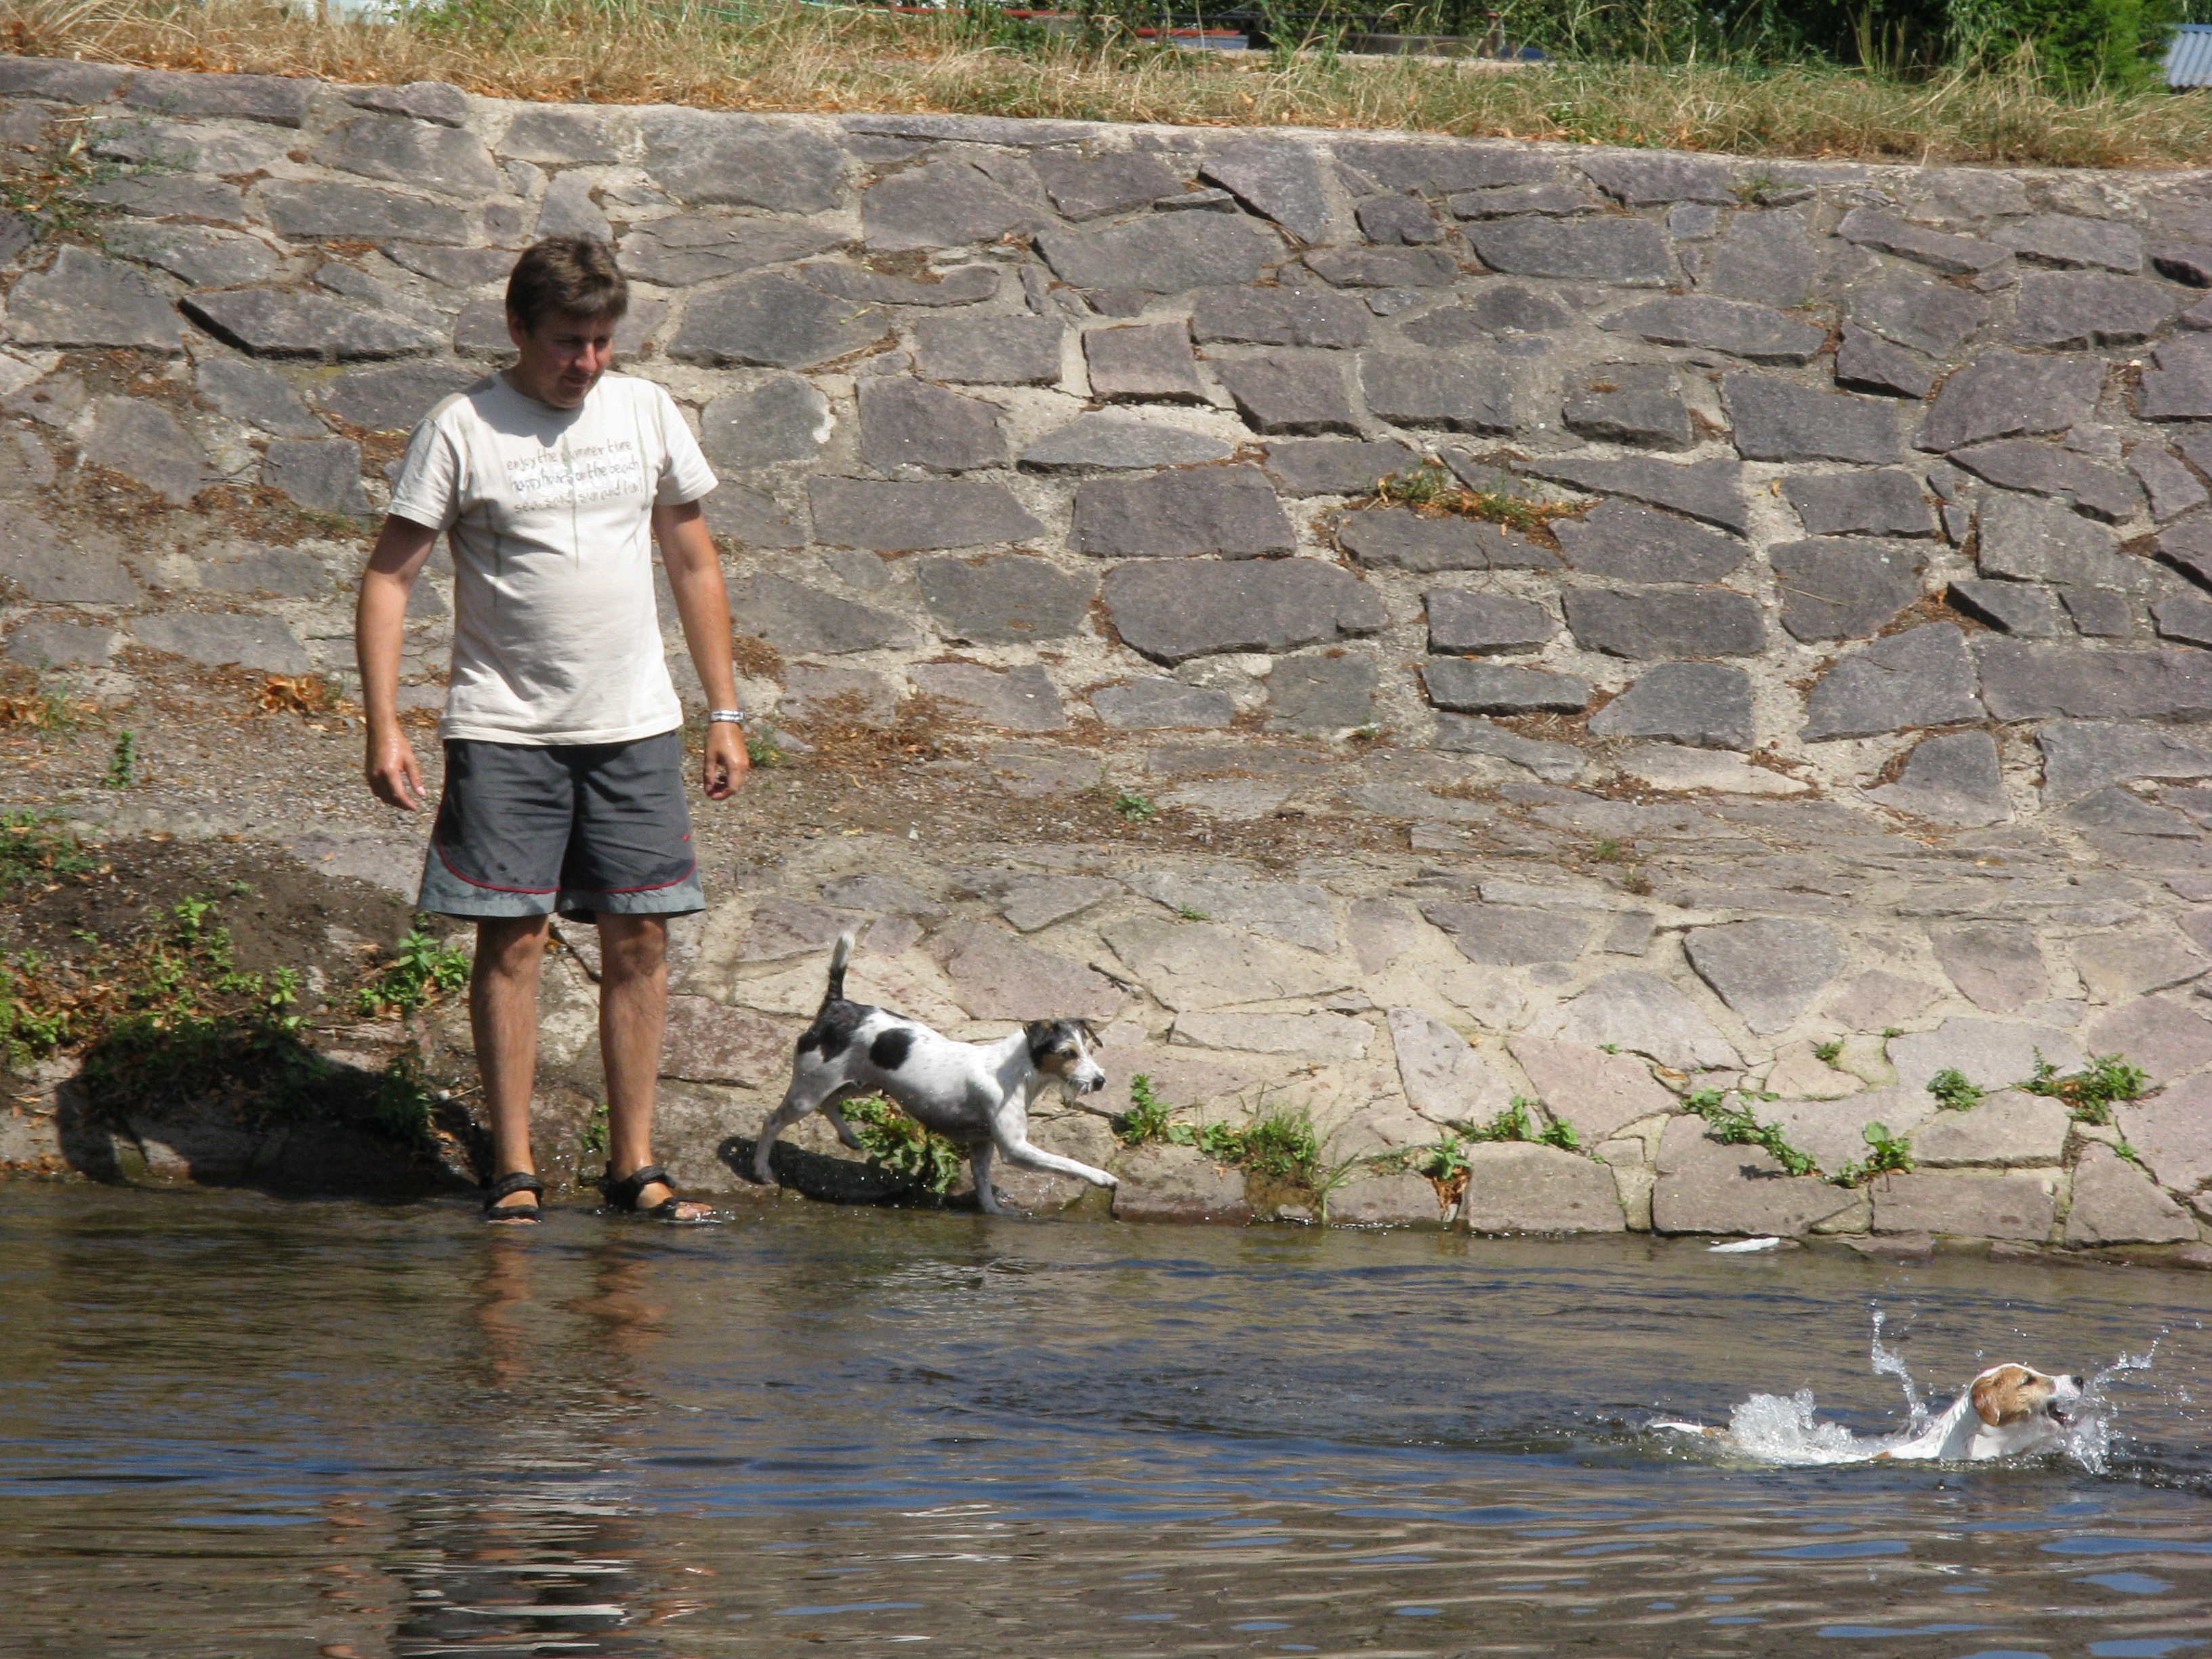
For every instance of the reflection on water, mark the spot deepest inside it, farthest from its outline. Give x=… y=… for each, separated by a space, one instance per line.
x=234 y=1427
x=534 y=1548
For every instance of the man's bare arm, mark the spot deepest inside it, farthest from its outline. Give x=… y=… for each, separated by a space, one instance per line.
x=379 y=632
x=702 y=603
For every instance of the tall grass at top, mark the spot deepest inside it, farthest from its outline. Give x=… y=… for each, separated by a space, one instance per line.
x=753 y=55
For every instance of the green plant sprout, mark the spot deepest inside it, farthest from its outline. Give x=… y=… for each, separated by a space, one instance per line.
x=1137 y=809
x=1430 y=488
x=1886 y=1154
x=1280 y=1144
x=1148 y=1117
x=36 y=849
x=1954 y=1092
x=2089 y=1093
x=898 y=1144
x=1734 y=1125
x=421 y=971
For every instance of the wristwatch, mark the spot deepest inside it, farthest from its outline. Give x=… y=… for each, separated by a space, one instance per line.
x=726 y=716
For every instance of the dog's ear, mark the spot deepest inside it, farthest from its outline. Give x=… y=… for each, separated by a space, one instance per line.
x=1996 y=1396
x=1091 y=1033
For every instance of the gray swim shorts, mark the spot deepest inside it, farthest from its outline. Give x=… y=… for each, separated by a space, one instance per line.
x=528 y=829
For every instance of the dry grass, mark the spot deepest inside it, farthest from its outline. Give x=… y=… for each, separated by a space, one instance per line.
x=846 y=736
x=757 y=55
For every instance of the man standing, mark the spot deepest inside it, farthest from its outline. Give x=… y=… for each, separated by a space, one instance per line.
x=564 y=749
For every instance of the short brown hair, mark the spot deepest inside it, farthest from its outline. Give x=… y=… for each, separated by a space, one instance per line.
x=573 y=276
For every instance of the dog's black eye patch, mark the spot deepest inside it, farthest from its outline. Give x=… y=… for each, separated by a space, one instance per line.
x=889 y=1050
x=833 y=1027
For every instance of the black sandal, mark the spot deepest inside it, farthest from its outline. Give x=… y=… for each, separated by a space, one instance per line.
x=507 y=1185
x=622 y=1194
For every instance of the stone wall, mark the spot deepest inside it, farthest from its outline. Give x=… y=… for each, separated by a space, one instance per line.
x=1886 y=530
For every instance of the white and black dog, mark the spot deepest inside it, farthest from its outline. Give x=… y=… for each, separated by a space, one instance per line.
x=975 y=1094
x=2008 y=1410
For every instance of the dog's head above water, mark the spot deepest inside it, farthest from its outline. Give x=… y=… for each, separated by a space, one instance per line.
x=1061 y=1048
x=2004 y=1395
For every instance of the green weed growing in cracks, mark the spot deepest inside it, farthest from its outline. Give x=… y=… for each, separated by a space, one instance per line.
x=36 y=849
x=1519 y=1122
x=190 y=1024
x=1137 y=809
x=406 y=1100
x=1148 y=1118
x=900 y=1145
x=1445 y=1164
x=168 y=1018
x=421 y=971
x=1953 y=1091
x=46 y=712
x=593 y=1143
x=1886 y=1154
x=51 y=194
x=1280 y=1144
x=2089 y=1093
x=1429 y=487
x=1734 y=1125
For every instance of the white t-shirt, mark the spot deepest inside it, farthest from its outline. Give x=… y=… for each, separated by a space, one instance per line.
x=550 y=514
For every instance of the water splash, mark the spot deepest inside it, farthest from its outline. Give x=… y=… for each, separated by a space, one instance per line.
x=1784 y=1430
x=1887 y=1362
x=1781 y=1429
x=2090 y=1438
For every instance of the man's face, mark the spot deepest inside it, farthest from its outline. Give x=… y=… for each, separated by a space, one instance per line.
x=562 y=358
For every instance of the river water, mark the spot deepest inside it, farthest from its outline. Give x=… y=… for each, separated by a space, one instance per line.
x=235 y=1426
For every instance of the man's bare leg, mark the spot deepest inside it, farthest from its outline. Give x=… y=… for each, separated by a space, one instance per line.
x=503 y=1017
x=633 y=1011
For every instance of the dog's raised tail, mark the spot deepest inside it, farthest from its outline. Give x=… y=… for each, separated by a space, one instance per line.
x=841 y=954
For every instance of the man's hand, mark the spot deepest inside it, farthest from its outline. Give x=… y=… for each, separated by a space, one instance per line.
x=379 y=629
x=694 y=578
x=394 y=775
x=726 y=763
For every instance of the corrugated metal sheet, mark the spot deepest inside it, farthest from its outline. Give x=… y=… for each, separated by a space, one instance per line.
x=2189 y=59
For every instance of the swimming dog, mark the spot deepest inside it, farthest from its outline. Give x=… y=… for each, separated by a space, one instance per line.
x=977 y=1094
x=2005 y=1412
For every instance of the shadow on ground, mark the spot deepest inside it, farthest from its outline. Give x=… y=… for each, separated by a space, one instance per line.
x=831 y=1180
x=330 y=1143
